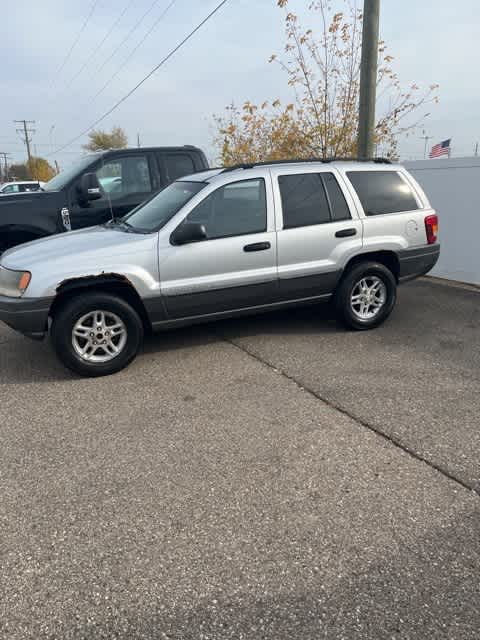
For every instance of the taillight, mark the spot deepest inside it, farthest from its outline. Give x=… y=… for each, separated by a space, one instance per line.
x=431 y=227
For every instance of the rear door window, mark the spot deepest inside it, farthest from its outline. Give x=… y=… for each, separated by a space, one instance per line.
x=311 y=198
x=304 y=201
x=382 y=192
x=178 y=165
x=32 y=186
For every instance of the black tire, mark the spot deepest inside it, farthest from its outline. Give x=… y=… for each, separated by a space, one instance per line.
x=72 y=311
x=346 y=313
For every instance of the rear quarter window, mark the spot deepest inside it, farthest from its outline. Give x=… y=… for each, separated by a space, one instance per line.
x=382 y=192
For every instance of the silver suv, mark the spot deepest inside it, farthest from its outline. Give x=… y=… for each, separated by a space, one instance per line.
x=220 y=243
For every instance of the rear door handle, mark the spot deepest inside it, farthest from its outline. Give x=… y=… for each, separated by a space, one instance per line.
x=344 y=233
x=257 y=246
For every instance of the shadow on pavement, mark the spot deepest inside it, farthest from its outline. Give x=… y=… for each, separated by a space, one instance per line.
x=23 y=361
x=426 y=316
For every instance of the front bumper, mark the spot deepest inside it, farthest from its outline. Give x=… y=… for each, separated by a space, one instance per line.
x=26 y=315
x=417 y=262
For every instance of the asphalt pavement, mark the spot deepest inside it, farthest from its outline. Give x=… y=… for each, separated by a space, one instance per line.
x=265 y=478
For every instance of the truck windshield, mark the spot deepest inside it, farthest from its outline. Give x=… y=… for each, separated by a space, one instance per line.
x=156 y=212
x=58 y=182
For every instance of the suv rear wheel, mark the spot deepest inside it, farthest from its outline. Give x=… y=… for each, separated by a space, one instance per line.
x=366 y=296
x=96 y=334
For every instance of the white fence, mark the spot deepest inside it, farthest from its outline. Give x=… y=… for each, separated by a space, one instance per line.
x=453 y=188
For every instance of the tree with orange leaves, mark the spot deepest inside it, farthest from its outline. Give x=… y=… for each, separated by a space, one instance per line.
x=324 y=74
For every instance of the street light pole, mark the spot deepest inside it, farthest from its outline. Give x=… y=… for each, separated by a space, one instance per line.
x=50 y=135
x=368 y=78
x=426 y=139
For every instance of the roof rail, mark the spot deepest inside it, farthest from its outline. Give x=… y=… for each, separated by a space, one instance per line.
x=250 y=165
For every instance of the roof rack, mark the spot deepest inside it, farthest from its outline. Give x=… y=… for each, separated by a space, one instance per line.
x=250 y=165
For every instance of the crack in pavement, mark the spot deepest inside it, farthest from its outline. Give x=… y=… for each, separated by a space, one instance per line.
x=394 y=441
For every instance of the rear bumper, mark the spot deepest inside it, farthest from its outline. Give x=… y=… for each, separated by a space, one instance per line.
x=26 y=315
x=417 y=262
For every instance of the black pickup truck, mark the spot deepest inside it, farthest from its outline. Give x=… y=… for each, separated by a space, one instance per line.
x=97 y=188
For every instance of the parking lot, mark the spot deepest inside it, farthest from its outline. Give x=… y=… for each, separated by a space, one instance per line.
x=268 y=477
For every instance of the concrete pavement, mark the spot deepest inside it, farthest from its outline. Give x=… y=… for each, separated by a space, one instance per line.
x=209 y=492
x=416 y=379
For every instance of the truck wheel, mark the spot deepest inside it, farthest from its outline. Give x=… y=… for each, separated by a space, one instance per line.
x=366 y=296
x=96 y=334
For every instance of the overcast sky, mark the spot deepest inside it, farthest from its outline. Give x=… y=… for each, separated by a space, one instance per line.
x=433 y=41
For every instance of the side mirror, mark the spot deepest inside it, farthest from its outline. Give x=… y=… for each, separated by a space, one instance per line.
x=189 y=232
x=89 y=187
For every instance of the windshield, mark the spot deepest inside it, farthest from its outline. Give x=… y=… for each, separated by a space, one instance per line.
x=63 y=178
x=155 y=213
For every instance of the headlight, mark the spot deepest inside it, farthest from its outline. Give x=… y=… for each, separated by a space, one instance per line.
x=13 y=283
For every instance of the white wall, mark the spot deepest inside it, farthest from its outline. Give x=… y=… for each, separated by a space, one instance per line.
x=453 y=188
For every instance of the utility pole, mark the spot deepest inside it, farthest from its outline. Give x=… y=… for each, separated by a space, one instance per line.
x=476 y=149
x=5 y=165
x=26 y=131
x=50 y=135
x=138 y=140
x=368 y=78
x=426 y=138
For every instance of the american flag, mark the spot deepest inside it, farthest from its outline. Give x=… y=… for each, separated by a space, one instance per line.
x=440 y=149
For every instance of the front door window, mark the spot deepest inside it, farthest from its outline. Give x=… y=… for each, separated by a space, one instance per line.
x=236 y=209
x=125 y=183
x=126 y=176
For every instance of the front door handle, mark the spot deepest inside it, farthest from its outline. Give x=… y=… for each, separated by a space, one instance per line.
x=257 y=246
x=344 y=233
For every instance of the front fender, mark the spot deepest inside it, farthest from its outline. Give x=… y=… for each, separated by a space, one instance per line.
x=49 y=284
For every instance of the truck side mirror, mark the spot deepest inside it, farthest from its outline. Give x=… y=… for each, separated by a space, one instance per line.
x=89 y=187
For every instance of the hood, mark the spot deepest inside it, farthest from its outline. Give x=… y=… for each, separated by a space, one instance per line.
x=24 y=197
x=22 y=194
x=95 y=246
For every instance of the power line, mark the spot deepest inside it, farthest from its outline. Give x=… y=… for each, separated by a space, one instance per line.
x=75 y=42
x=122 y=65
x=127 y=37
x=22 y=144
x=137 y=86
x=96 y=49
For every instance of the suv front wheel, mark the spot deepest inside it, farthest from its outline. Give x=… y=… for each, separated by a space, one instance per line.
x=96 y=334
x=366 y=296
